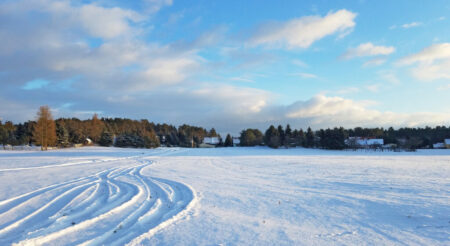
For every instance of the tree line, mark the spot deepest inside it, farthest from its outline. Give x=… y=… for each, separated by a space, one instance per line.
x=121 y=132
x=335 y=138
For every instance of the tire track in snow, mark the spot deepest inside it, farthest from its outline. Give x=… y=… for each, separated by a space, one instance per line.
x=112 y=207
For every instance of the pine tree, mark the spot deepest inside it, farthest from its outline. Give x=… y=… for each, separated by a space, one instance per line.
x=44 y=133
x=272 y=137
x=301 y=138
x=9 y=133
x=62 y=135
x=106 y=139
x=228 y=141
x=287 y=136
x=309 y=138
x=282 y=135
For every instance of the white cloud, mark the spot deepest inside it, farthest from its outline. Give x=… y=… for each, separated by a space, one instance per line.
x=375 y=62
x=307 y=75
x=235 y=100
x=95 y=20
x=169 y=70
x=153 y=6
x=428 y=55
x=430 y=72
x=368 y=49
x=432 y=63
x=406 y=25
x=103 y=22
x=302 y=32
x=323 y=106
x=412 y=24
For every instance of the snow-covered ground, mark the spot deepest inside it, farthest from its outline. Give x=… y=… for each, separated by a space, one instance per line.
x=226 y=196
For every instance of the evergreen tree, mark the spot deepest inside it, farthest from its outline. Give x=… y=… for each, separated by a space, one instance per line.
x=272 y=137
x=9 y=133
x=24 y=133
x=288 y=136
x=106 y=139
x=300 y=138
x=309 y=138
x=62 y=135
x=282 y=135
x=228 y=141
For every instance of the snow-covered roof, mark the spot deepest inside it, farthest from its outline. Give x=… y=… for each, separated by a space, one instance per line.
x=438 y=145
x=367 y=141
x=211 y=140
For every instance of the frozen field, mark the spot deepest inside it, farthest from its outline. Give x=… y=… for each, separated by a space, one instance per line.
x=228 y=196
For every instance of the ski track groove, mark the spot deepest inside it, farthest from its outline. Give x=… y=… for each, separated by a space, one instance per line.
x=113 y=207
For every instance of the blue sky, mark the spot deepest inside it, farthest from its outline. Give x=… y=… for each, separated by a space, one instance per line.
x=228 y=64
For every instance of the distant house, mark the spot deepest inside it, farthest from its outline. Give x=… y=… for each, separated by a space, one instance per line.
x=375 y=141
x=211 y=140
x=88 y=141
x=439 y=146
x=447 y=143
x=236 y=141
x=364 y=142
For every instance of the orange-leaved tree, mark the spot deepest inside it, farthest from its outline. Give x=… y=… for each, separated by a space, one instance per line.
x=44 y=132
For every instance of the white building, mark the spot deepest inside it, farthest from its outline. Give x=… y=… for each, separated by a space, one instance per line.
x=439 y=146
x=360 y=141
x=375 y=141
x=447 y=143
x=211 y=140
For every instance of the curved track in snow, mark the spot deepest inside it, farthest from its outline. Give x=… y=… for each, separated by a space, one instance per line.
x=112 y=207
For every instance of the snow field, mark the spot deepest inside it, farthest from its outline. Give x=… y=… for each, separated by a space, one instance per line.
x=227 y=196
x=111 y=207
